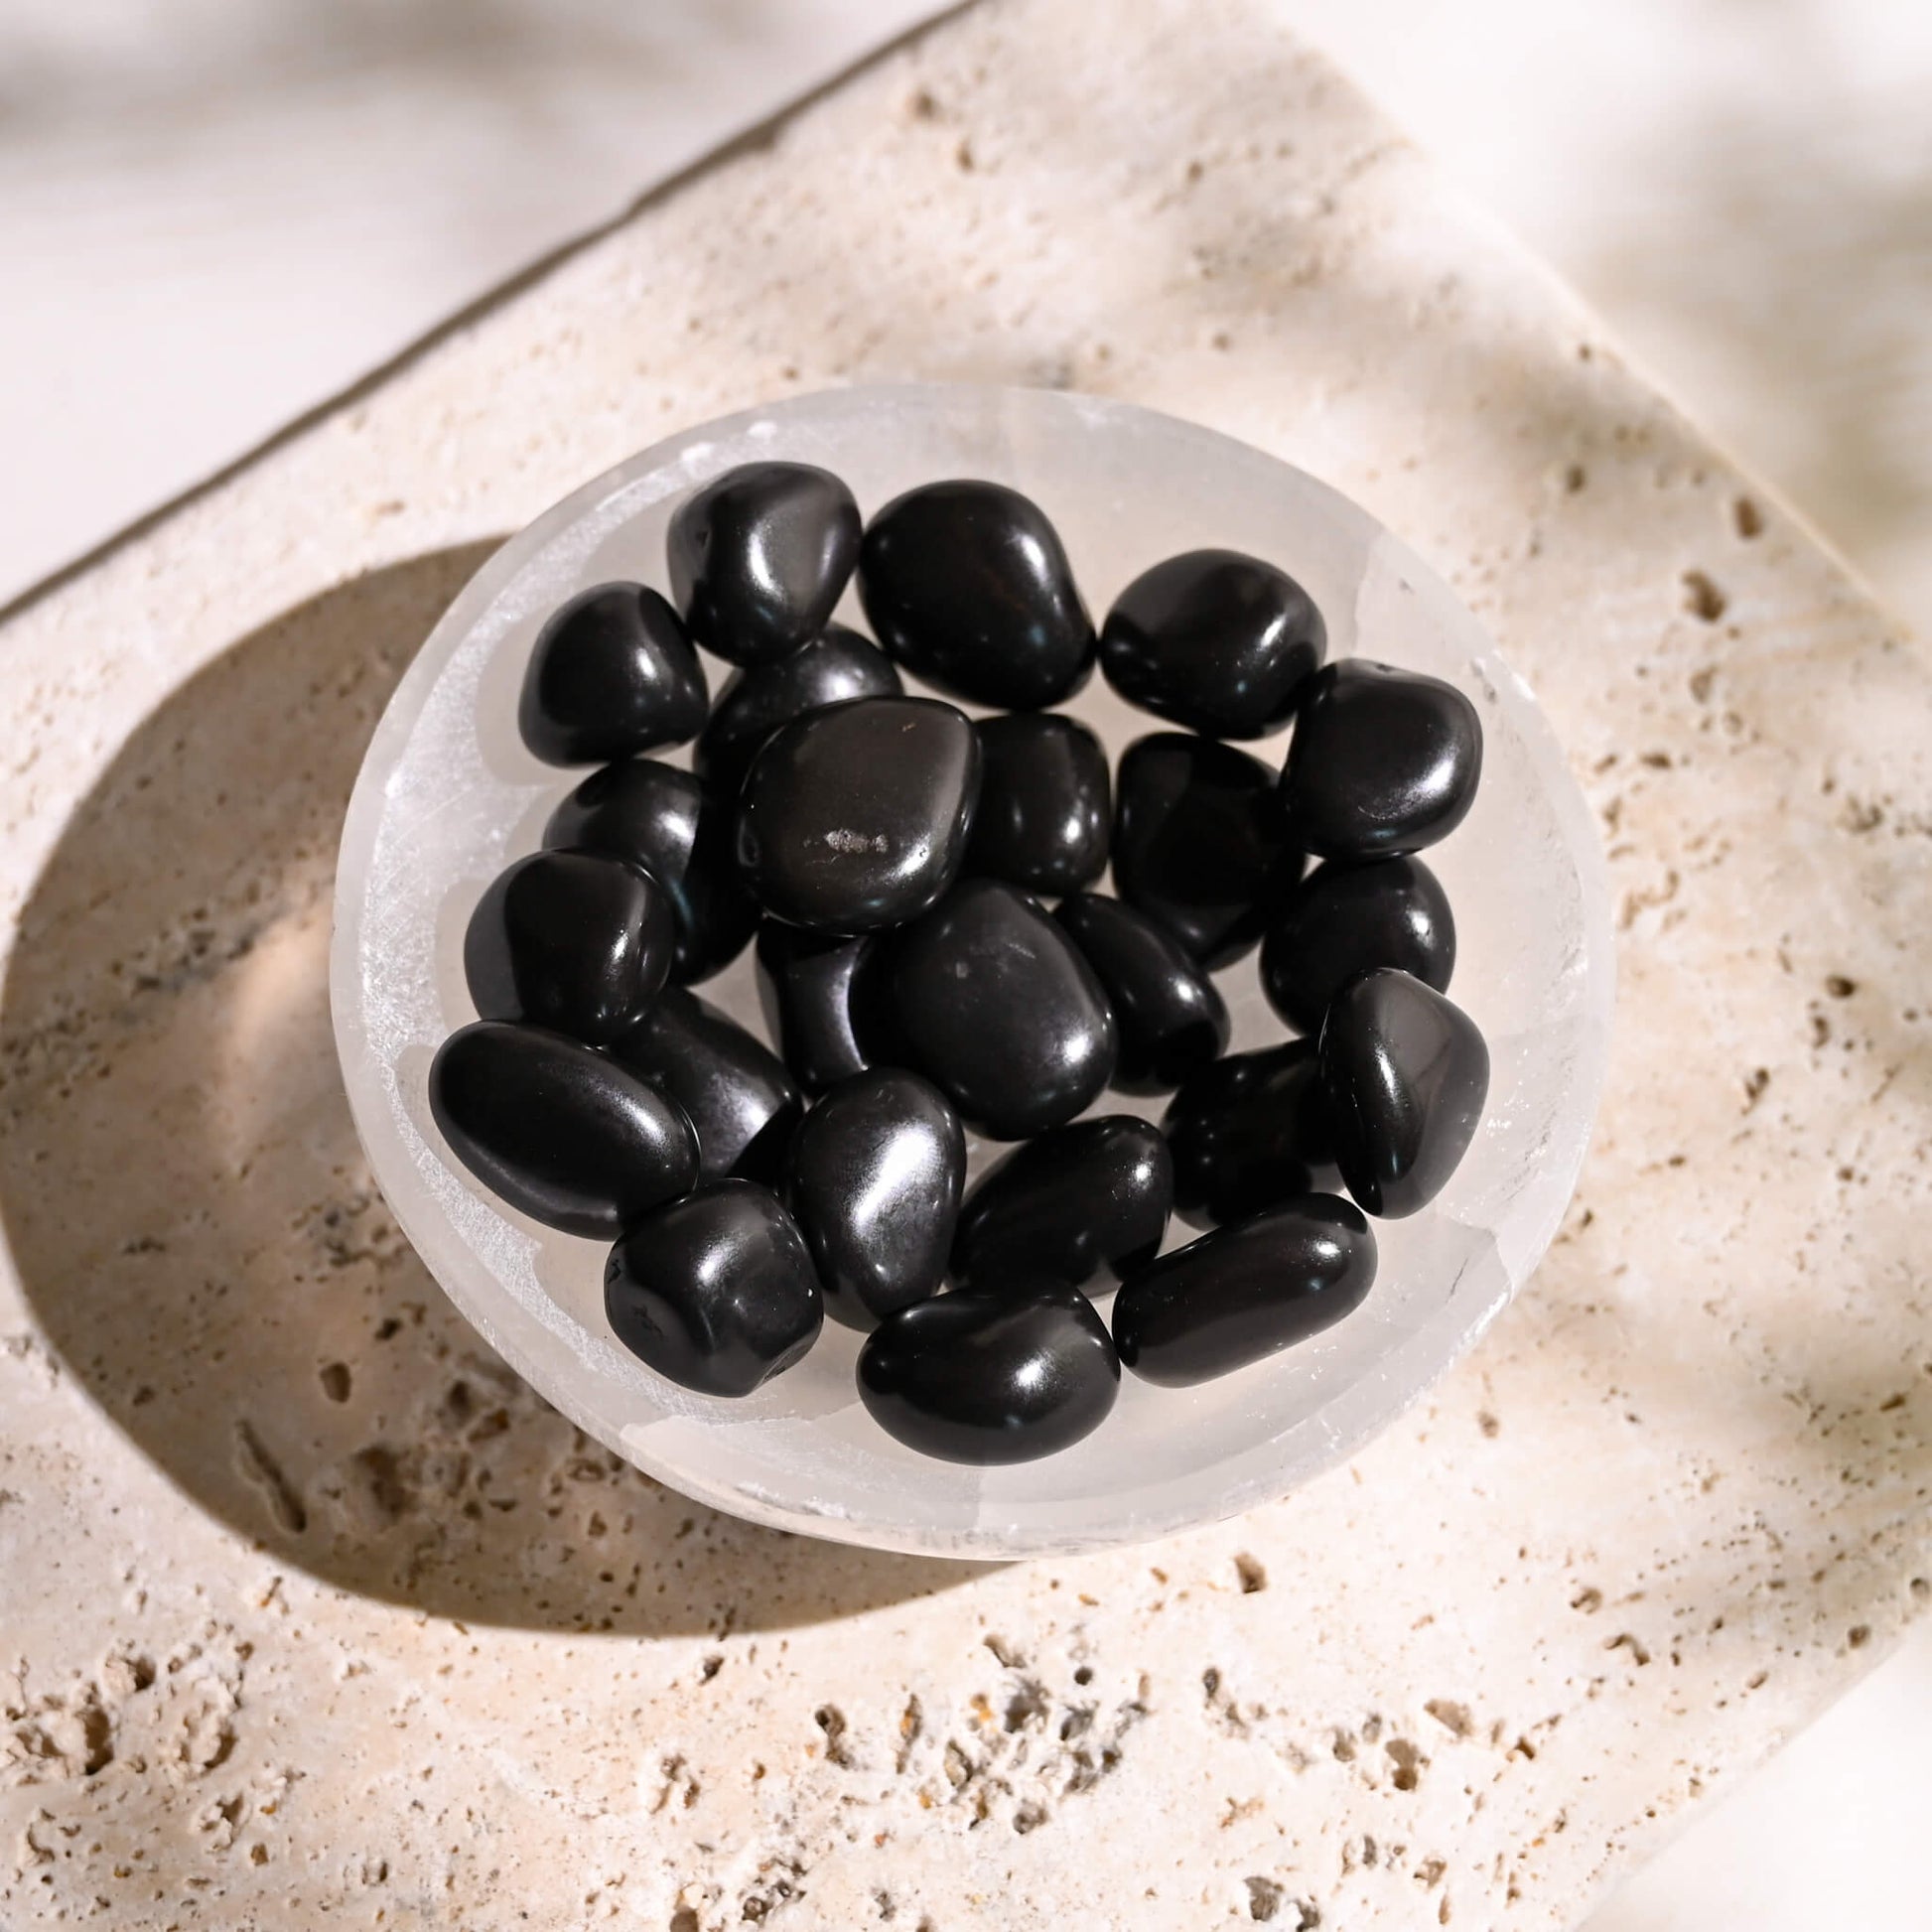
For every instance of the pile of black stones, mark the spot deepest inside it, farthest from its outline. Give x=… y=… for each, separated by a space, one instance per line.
x=894 y=860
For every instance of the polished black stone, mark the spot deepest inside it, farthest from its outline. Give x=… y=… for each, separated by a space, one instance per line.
x=1405 y=1073
x=856 y=817
x=1084 y=1201
x=572 y=941
x=678 y=830
x=1242 y=1293
x=735 y=1090
x=758 y=699
x=1194 y=845
x=1046 y=809
x=1247 y=1133
x=966 y=585
x=994 y=1002
x=823 y=1000
x=557 y=1130
x=716 y=1292
x=1382 y=761
x=992 y=1375
x=1171 y=1017
x=612 y=673
x=1215 y=640
x=873 y=1176
x=760 y=556
x=1341 y=920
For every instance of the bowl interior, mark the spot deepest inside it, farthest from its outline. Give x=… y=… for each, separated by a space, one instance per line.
x=448 y=796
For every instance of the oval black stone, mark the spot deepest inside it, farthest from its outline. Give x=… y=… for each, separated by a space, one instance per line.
x=1405 y=1073
x=612 y=673
x=1171 y=1017
x=1194 y=843
x=1343 y=920
x=571 y=942
x=1084 y=1200
x=994 y=1002
x=557 y=1130
x=873 y=1176
x=992 y=1375
x=680 y=831
x=755 y=701
x=1045 y=808
x=735 y=1090
x=1382 y=761
x=1243 y=1293
x=716 y=1292
x=1248 y=1133
x=966 y=585
x=760 y=556
x=855 y=816
x=1217 y=641
x=823 y=1000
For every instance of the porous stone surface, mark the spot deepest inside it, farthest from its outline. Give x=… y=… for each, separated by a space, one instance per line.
x=310 y=1614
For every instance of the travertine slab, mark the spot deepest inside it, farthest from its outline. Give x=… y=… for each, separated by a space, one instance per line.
x=309 y=1614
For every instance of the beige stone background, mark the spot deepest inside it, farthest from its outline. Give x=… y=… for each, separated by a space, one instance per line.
x=212 y=213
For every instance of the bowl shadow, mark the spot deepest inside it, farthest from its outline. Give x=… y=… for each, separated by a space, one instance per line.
x=198 y=1235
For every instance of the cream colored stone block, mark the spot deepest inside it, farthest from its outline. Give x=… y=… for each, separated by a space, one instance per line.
x=309 y=1615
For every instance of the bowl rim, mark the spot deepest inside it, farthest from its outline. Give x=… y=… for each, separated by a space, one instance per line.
x=1421 y=1356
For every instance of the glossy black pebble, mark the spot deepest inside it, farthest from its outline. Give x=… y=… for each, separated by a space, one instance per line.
x=1248 y=1133
x=992 y=1375
x=994 y=1002
x=1171 y=1017
x=873 y=1176
x=758 y=699
x=1046 y=809
x=572 y=941
x=1242 y=1293
x=735 y=1090
x=967 y=585
x=1382 y=760
x=1405 y=1073
x=557 y=1130
x=612 y=673
x=1084 y=1200
x=856 y=817
x=1195 y=847
x=678 y=830
x=1218 y=641
x=1341 y=920
x=716 y=1292
x=760 y=556
x=823 y=1002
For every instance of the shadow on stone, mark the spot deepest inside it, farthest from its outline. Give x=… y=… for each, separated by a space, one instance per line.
x=197 y=1232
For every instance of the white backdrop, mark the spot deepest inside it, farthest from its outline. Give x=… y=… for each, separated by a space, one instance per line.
x=214 y=213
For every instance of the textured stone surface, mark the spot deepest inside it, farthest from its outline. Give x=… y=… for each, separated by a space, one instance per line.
x=307 y=1612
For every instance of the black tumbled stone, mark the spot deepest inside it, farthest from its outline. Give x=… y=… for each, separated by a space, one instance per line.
x=989 y=1376
x=735 y=1089
x=558 y=1130
x=966 y=584
x=1405 y=1073
x=1382 y=761
x=1045 y=808
x=716 y=1292
x=611 y=674
x=994 y=1002
x=1218 y=641
x=1245 y=1291
x=760 y=556
x=1081 y=1202
x=1343 y=920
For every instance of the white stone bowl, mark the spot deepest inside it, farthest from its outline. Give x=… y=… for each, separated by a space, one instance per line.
x=448 y=796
